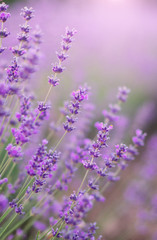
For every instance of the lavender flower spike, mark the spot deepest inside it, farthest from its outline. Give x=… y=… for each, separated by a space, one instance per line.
x=62 y=56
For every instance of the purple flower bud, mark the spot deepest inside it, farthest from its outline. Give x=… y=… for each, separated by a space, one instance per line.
x=23 y=37
x=55 y=233
x=92 y=185
x=4 y=16
x=2 y=49
x=114 y=108
x=54 y=81
x=123 y=94
x=58 y=69
x=65 y=47
x=120 y=150
x=18 y=52
x=89 y=165
x=13 y=203
x=18 y=210
x=102 y=172
x=25 y=28
x=27 y=13
x=74 y=197
x=4 y=33
x=139 y=138
x=3 y=7
x=13 y=72
x=14 y=151
x=67 y=127
x=43 y=107
x=80 y=94
x=61 y=56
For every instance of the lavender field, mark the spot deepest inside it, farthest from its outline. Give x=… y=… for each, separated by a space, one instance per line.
x=78 y=133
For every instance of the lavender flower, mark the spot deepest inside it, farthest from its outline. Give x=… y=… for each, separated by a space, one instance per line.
x=14 y=151
x=39 y=167
x=139 y=138
x=4 y=15
x=74 y=107
x=62 y=56
x=123 y=94
x=27 y=13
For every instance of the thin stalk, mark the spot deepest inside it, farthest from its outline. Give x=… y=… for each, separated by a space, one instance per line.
x=12 y=168
x=2 y=26
x=85 y=176
x=108 y=183
x=6 y=166
x=25 y=188
x=9 y=210
x=48 y=93
x=60 y=141
x=57 y=124
x=5 y=156
x=25 y=182
x=5 y=228
x=5 y=214
x=19 y=223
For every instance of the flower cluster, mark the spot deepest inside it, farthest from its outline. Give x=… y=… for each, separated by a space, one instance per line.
x=4 y=15
x=18 y=209
x=50 y=178
x=73 y=107
x=42 y=165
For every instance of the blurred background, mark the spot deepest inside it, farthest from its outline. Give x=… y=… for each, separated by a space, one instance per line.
x=115 y=45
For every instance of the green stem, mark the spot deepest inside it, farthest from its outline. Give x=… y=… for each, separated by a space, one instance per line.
x=5 y=156
x=19 y=223
x=25 y=182
x=5 y=228
x=19 y=195
x=60 y=141
x=25 y=188
x=85 y=176
x=6 y=166
x=12 y=168
x=5 y=214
